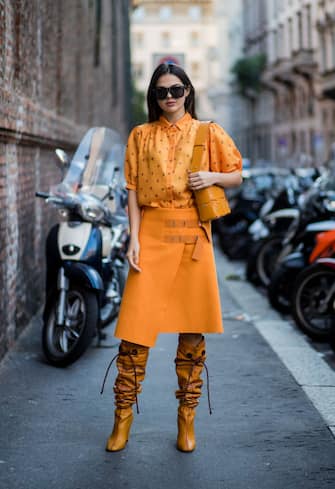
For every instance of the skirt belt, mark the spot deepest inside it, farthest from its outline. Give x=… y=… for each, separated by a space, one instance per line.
x=186 y=239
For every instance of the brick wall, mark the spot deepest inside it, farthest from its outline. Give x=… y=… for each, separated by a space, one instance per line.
x=58 y=66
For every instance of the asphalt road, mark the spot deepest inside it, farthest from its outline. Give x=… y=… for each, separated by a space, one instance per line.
x=264 y=432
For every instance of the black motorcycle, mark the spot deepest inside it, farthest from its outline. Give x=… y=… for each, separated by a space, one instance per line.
x=313 y=299
x=246 y=203
x=316 y=214
x=275 y=217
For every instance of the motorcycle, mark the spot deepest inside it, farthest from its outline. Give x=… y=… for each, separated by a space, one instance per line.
x=245 y=203
x=316 y=215
x=275 y=217
x=268 y=230
x=85 y=252
x=313 y=298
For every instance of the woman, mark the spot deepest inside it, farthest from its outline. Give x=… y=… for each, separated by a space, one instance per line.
x=172 y=285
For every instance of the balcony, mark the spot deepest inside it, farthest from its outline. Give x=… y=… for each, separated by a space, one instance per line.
x=304 y=62
x=279 y=73
x=300 y=68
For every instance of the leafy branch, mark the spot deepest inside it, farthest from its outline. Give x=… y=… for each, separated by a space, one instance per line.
x=248 y=71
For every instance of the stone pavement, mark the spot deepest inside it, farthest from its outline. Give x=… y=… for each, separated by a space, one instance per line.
x=265 y=432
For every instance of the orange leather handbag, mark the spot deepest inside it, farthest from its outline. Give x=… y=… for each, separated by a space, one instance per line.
x=211 y=201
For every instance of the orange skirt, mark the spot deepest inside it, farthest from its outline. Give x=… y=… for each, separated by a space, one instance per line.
x=177 y=289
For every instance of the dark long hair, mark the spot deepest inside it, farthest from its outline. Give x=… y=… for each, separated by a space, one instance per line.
x=154 y=110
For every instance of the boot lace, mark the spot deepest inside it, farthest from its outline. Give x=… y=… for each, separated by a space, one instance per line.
x=196 y=362
x=122 y=353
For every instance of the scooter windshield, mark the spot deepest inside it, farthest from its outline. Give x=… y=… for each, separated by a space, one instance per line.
x=96 y=164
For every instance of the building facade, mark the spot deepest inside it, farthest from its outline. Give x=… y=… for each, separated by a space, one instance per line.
x=63 y=68
x=183 y=32
x=291 y=120
x=229 y=106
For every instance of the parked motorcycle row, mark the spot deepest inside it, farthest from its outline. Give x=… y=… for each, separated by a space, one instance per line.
x=283 y=226
x=85 y=251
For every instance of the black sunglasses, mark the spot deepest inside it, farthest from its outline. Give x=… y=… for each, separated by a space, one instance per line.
x=176 y=91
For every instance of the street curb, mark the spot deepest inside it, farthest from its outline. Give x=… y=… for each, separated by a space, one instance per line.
x=305 y=364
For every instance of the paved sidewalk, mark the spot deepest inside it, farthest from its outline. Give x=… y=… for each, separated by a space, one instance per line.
x=264 y=432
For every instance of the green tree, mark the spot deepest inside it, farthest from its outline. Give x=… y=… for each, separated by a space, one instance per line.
x=248 y=71
x=139 y=115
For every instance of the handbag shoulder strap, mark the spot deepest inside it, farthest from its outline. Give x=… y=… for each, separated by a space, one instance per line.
x=199 y=148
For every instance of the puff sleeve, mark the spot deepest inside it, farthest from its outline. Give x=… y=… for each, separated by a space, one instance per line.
x=131 y=159
x=223 y=155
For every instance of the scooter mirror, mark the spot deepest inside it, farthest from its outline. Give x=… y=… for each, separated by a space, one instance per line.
x=62 y=156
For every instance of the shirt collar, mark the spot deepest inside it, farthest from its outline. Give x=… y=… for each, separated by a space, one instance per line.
x=179 y=124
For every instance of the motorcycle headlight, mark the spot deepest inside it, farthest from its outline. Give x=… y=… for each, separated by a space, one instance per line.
x=329 y=205
x=91 y=212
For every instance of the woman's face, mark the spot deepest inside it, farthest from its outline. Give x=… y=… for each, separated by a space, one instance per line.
x=172 y=106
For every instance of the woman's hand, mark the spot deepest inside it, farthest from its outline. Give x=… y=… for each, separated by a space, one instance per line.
x=201 y=179
x=133 y=254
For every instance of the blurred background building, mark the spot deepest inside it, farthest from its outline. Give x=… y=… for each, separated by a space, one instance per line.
x=184 y=32
x=289 y=49
x=64 y=66
x=224 y=94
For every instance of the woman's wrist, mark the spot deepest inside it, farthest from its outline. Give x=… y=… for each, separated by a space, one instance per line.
x=133 y=237
x=232 y=179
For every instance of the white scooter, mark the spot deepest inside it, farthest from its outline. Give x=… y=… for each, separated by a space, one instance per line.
x=85 y=252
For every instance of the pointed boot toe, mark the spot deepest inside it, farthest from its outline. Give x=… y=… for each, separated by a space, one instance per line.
x=122 y=424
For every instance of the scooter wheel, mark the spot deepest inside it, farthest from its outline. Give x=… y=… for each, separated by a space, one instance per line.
x=250 y=269
x=266 y=259
x=279 y=291
x=312 y=308
x=63 y=345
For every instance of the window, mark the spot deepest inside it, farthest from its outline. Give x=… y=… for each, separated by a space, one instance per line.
x=138 y=71
x=138 y=39
x=165 y=13
x=139 y=13
x=290 y=36
x=323 y=52
x=281 y=45
x=300 y=33
x=194 y=39
x=195 y=69
x=195 y=12
x=275 y=45
x=166 y=39
x=324 y=117
x=309 y=27
x=303 y=142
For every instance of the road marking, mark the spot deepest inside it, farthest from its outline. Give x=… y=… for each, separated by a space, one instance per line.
x=305 y=364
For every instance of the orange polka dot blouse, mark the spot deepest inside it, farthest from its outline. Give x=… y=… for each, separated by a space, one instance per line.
x=158 y=157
